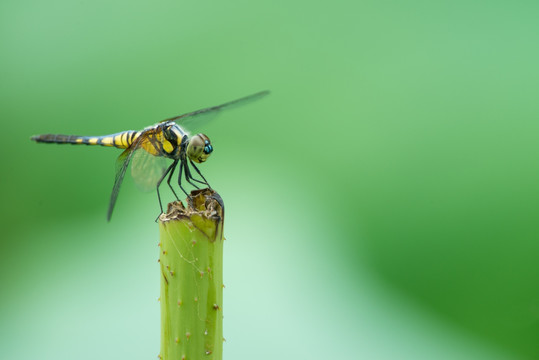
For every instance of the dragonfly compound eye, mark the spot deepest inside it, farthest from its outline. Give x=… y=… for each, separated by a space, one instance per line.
x=199 y=148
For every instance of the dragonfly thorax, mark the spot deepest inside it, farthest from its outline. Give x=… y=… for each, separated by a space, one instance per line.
x=199 y=148
x=173 y=136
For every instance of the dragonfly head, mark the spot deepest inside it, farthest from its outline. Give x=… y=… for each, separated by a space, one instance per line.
x=199 y=148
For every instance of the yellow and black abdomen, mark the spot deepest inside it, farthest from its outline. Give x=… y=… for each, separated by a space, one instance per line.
x=120 y=140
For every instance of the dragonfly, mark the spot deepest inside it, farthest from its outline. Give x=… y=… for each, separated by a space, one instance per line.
x=149 y=149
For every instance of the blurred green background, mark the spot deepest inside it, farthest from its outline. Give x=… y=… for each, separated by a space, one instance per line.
x=382 y=203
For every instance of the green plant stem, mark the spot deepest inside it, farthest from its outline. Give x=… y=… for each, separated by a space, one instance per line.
x=191 y=260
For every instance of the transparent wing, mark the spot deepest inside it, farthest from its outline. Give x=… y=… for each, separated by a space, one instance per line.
x=121 y=166
x=147 y=169
x=197 y=119
x=144 y=143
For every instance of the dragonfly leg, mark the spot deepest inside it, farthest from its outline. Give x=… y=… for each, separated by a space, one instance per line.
x=180 y=178
x=199 y=173
x=189 y=198
x=192 y=177
x=198 y=181
x=170 y=168
x=188 y=176
x=170 y=178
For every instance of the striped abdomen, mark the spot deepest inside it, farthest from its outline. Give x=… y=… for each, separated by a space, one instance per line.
x=120 y=140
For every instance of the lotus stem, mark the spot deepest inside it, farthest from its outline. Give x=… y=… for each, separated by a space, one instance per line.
x=191 y=260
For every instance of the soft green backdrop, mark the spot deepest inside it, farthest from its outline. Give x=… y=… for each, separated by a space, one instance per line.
x=382 y=203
